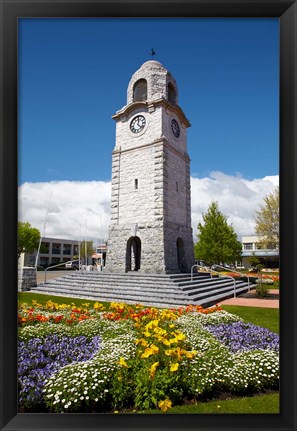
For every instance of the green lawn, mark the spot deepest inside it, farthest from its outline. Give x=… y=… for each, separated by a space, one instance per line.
x=266 y=404
x=28 y=297
x=265 y=317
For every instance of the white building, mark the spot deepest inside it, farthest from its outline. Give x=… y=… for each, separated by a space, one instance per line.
x=251 y=247
x=52 y=252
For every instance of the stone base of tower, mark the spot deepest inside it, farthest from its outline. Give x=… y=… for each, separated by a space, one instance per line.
x=179 y=248
x=150 y=248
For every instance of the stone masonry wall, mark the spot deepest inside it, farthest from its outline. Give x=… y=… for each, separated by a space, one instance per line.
x=157 y=78
x=27 y=278
x=173 y=232
x=150 y=199
x=152 y=131
x=151 y=236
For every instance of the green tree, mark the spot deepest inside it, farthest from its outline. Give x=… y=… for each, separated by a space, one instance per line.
x=217 y=241
x=267 y=221
x=28 y=238
x=254 y=261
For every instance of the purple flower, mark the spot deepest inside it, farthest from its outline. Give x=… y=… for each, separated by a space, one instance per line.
x=39 y=358
x=241 y=336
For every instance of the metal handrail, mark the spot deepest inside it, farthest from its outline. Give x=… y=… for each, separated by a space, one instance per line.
x=237 y=272
x=217 y=272
x=54 y=266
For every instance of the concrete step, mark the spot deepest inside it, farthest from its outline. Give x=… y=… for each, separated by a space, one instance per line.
x=170 y=290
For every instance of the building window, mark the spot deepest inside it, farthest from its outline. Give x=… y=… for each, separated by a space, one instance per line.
x=43 y=261
x=44 y=248
x=171 y=94
x=136 y=184
x=248 y=246
x=67 y=249
x=140 y=91
x=56 y=249
x=176 y=185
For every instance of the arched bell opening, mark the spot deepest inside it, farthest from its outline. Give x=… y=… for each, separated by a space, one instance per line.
x=140 y=91
x=133 y=254
x=181 y=257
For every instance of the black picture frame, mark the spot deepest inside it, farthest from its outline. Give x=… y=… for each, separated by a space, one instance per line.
x=286 y=11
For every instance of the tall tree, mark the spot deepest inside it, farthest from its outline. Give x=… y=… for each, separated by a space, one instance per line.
x=217 y=241
x=28 y=238
x=267 y=221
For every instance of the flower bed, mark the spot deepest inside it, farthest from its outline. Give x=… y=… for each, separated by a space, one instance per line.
x=92 y=360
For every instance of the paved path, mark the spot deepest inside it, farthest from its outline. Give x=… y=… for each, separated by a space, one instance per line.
x=250 y=300
x=51 y=274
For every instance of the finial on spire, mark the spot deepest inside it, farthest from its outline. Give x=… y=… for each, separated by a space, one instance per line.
x=152 y=53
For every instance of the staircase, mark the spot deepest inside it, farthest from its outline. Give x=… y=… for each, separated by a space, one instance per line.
x=170 y=290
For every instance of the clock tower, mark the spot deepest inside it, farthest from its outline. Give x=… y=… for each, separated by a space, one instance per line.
x=150 y=229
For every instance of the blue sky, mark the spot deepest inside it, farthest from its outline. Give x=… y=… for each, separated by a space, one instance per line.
x=74 y=73
x=73 y=76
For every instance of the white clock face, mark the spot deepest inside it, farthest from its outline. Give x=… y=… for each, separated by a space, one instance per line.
x=137 y=124
x=175 y=128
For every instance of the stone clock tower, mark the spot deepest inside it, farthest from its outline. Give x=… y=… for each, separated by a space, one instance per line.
x=150 y=228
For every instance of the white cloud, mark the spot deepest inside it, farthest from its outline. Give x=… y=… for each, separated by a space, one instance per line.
x=238 y=198
x=75 y=209
x=79 y=208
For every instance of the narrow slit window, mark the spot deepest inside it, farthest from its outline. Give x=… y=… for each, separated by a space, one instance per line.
x=136 y=183
x=171 y=94
x=176 y=186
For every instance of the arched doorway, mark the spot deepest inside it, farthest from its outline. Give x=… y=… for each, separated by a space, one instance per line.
x=133 y=254
x=181 y=258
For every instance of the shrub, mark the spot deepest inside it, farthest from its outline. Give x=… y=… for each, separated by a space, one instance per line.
x=262 y=291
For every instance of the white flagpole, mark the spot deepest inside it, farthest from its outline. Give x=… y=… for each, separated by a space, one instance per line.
x=43 y=234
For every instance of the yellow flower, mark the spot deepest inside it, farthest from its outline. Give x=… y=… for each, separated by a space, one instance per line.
x=36 y=304
x=98 y=306
x=160 y=331
x=166 y=314
x=174 y=367
x=179 y=336
x=169 y=352
x=191 y=355
x=150 y=351
x=117 y=306
x=165 y=405
x=166 y=342
x=152 y=324
x=153 y=370
x=123 y=363
x=142 y=342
